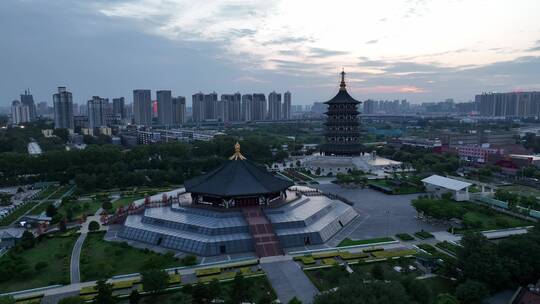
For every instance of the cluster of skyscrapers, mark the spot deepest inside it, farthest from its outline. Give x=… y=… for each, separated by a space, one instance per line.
x=170 y=110
x=237 y=107
x=165 y=109
x=513 y=104
x=385 y=106
x=24 y=110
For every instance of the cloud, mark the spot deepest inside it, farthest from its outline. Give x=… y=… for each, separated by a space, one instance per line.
x=536 y=47
x=389 y=89
x=320 y=52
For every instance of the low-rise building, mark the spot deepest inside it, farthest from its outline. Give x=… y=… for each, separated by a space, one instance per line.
x=439 y=185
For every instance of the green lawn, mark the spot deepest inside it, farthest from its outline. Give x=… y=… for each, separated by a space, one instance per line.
x=454 y=249
x=17 y=213
x=56 y=252
x=125 y=201
x=80 y=207
x=45 y=193
x=59 y=192
x=404 y=188
x=485 y=219
x=521 y=190
x=349 y=242
x=41 y=208
x=102 y=259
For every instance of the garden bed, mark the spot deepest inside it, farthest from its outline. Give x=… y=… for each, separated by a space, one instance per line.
x=350 y=242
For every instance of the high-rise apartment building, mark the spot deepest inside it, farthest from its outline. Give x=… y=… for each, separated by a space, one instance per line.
x=20 y=113
x=28 y=100
x=63 y=109
x=119 y=107
x=258 y=108
x=42 y=109
x=210 y=106
x=246 y=110
x=230 y=107
x=97 y=109
x=274 y=106
x=370 y=106
x=142 y=107
x=286 y=107
x=198 y=107
x=513 y=104
x=179 y=110
x=165 y=107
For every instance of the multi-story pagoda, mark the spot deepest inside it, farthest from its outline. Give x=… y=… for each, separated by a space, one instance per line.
x=342 y=135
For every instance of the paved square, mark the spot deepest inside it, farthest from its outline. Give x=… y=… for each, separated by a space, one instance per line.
x=380 y=214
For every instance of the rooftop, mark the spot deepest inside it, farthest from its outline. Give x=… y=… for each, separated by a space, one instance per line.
x=445 y=182
x=237 y=177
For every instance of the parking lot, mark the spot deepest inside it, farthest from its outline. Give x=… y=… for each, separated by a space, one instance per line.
x=381 y=214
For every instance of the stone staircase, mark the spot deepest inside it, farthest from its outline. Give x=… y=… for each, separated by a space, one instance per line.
x=266 y=241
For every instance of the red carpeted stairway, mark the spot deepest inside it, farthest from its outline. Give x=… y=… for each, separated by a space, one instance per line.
x=266 y=241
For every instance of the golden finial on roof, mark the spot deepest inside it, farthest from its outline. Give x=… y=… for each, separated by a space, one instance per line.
x=237 y=154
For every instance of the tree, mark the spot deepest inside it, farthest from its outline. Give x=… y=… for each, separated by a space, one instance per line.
x=377 y=272
x=200 y=294
x=107 y=205
x=104 y=293
x=134 y=297
x=214 y=290
x=355 y=291
x=41 y=265
x=418 y=291
x=7 y=300
x=93 y=226
x=471 y=292
x=239 y=291
x=62 y=225
x=295 y=300
x=28 y=240
x=189 y=260
x=51 y=210
x=154 y=280
x=445 y=298
x=71 y=300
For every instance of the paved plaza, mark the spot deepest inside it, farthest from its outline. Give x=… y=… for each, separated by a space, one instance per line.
x=380 y=214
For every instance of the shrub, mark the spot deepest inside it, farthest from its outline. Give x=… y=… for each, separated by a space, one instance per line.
x=189 y=260
x=93 y=226
x=424 y=235
x=428 y=248
x=405 y=237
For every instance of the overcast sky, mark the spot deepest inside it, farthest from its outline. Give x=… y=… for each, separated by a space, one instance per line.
x=420 y=50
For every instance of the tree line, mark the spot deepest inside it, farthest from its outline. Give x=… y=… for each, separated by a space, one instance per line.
x=108 y=166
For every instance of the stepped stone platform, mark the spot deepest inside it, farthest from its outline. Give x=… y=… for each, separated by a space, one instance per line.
x=308 y=220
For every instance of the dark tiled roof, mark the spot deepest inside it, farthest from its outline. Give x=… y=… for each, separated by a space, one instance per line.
x=237 y=178
x=342 y=97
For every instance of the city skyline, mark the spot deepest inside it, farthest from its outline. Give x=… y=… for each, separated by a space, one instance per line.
x=421 y=51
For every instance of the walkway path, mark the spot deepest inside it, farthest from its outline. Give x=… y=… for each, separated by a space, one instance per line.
x=289 y=281
x=75 y=271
